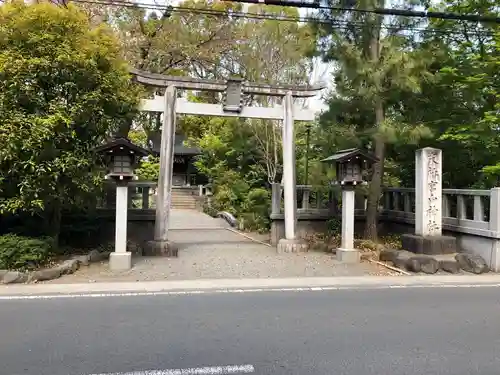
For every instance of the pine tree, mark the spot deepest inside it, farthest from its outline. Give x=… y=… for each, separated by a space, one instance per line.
x=374 y=62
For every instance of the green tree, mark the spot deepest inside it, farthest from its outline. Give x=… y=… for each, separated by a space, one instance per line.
x=149 y=169
x=469 y=83
x=459 y=103
x=173 y=42
x=63 y=89
x=274 y=52
x=375 y=64
x=243 y=156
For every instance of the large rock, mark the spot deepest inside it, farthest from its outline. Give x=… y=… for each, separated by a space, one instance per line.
x=430 y=245
x=450 y=266
x=12 y=277
x=97 y=256
x=231 y=220
x=44 y=275
x=421 y=263
x=2 y=273
x=83 y=260
x=387 y=255
x=69 y=266
x=472 y=263
x=401 y=259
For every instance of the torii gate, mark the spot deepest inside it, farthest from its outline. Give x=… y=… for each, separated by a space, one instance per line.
x=233 y=90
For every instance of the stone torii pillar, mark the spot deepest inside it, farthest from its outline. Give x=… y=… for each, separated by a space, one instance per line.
x=161 y=245
x=290 y=243
x=234 y=91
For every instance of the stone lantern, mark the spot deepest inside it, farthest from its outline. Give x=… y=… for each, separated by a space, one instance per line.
x=351 y=167
x=121 y=157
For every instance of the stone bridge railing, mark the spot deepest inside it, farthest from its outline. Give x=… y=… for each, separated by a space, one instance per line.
x=468 y=211
x=471 y=216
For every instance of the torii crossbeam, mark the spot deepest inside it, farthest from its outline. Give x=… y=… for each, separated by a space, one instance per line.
x=234 y=92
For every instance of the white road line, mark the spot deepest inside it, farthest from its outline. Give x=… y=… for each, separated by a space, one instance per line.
x=239 y=291
x=216 y=370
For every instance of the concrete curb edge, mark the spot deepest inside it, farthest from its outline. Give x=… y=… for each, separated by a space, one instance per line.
x=368 y=282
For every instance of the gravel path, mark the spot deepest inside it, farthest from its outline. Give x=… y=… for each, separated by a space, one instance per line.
x=212 y=254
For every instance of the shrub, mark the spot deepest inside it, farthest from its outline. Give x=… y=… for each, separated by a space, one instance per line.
x=251 y=206
x=209 y=209
x=230 y=193
x=255 y=215
x=23 y=253
x=334 y=226
x=253 y=222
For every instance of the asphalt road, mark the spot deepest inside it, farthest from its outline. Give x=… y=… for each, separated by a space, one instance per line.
x=422 y=331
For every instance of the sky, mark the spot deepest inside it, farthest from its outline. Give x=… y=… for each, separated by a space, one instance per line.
x=321 y=73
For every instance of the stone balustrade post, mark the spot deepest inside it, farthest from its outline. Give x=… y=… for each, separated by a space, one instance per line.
x=276 y=198
x=145 y=197
x=495 y=228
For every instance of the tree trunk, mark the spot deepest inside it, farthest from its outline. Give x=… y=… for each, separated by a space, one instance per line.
x=124 y=129
x=375 y=189
x=53 y=221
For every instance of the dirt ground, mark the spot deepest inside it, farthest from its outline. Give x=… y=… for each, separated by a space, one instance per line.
x=222 y=253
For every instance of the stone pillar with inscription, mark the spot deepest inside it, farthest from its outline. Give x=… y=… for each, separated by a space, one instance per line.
x=428 y=238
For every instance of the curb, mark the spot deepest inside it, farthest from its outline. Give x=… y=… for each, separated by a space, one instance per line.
x=242 y=285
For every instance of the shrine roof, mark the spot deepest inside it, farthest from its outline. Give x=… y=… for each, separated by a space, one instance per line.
x=344 y=155
x=120 y=143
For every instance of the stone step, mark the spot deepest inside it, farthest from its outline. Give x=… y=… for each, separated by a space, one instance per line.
x=180 y=205
x=183 y=192
x=183 y=200
x=183 y=195
x=184 y=206
x=177 y=199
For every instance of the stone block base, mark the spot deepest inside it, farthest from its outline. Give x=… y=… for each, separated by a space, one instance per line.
x=348 y=255
x=291 y=246
x=431 y=245
x=120 y=261
x=161 y=248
